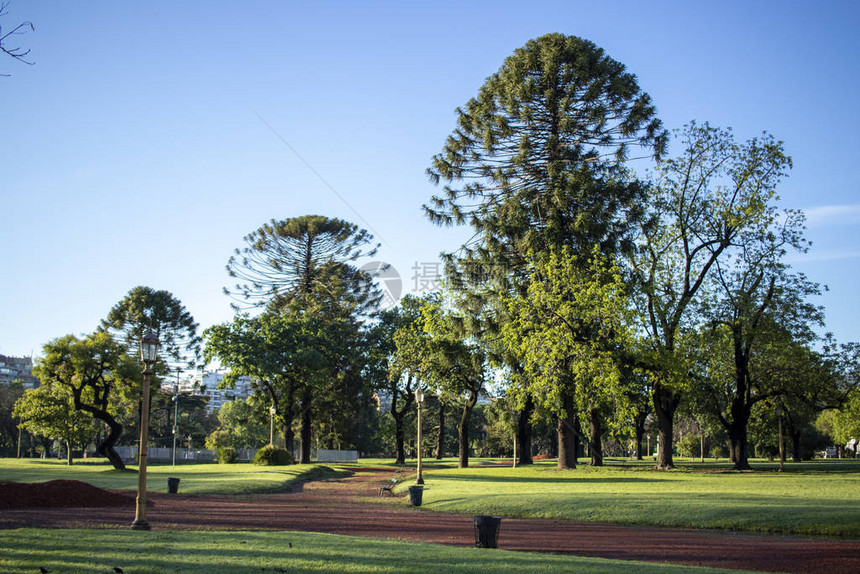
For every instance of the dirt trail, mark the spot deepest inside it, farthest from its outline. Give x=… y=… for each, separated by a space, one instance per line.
x=350 y=505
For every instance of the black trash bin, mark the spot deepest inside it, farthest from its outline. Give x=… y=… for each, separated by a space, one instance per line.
x=487 y=531
x=172 y=485
x=415 y=494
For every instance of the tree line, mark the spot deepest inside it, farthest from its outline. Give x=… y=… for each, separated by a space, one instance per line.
x=591 y=304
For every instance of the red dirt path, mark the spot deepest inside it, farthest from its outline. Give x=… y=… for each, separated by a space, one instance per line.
x=348 y=506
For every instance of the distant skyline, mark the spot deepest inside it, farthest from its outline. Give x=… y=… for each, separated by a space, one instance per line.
x=149 y=138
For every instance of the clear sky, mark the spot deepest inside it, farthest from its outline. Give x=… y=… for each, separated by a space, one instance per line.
x=150 y=137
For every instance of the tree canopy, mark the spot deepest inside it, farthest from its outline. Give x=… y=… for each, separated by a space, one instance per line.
x=295 y=257
x=100 y=374
x=144 y=309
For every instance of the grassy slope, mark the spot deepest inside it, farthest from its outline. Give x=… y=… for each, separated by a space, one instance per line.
x=813 y=499
x=138 y=552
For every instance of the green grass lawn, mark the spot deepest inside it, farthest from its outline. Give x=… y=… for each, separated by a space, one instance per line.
x=194 y=478
x=817 y=498
x=137 y=552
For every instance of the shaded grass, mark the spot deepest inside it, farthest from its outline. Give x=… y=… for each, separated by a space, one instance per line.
x=194 y=478
x=137 y=552
x=817 y=499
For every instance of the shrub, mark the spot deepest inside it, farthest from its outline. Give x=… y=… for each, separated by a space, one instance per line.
x=271 y=455
x=690 y=445
x=219 y=439
x=227 y=455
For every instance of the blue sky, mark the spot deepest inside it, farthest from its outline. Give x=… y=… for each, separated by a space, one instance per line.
x=149 y=137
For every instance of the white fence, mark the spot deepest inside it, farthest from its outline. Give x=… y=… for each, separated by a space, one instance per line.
x=337 y=455
x=165 y=454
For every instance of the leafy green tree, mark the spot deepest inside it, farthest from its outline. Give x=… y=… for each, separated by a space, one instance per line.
x=242 y=424
x=431 y=351
x=762 y=308
x=568 y=331
x=99 y=373
x=49 y=411
x=456 y=368
x=9 y=430
x=409 y=347
x=704 y=201
x=835 y=371
x=144 y=309
x=534 y=164
x=193 y=418
x=279 y=352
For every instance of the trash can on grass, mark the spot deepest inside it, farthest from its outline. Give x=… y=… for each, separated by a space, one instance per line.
x=487 y=531
x=172 y=485
x=415 y=495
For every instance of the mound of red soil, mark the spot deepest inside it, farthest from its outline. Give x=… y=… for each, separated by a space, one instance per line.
x=58 y=494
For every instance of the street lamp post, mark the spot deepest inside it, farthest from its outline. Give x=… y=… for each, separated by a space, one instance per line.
x=272 y=412
x=419 y=397
x=175 y=414
x=148 y=354
x=781 y=440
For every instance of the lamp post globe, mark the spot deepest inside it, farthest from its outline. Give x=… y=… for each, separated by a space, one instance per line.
x=149 y=349
x=148 y=355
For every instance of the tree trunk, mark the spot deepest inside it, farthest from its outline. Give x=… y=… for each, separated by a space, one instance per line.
x=639 y=430
x=440 y=437
x=289 y=433
x=665 y=404
x=566 y=435
x=399 y=447
x=463 y=429
x=400 y=418
x=106 y=447
x=781 y=443
x=289 y=437
x=738 y=438
x=596 y=442
x=795 y=445
x=68 y=453
x=524 y=433
x=306 y=428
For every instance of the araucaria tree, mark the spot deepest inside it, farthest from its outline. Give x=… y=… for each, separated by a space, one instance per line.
x=98 y=372
x=293 y=258
x=144 y=309
x=301 y=272
x=535 y=163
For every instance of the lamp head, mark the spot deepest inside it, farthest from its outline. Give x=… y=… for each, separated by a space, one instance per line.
x=149 y=348
x=419 y=395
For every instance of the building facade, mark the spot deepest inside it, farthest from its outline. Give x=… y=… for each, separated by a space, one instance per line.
x=206 y=385
x=17 y=368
